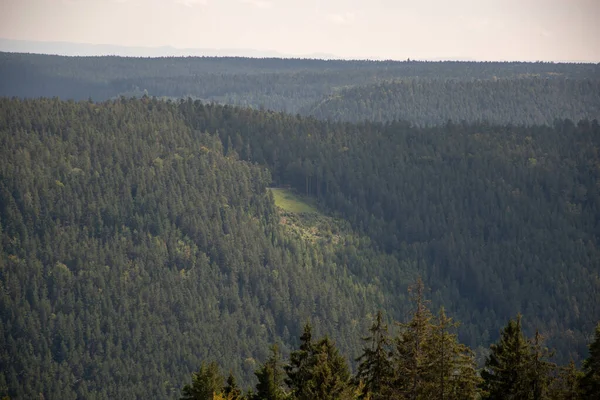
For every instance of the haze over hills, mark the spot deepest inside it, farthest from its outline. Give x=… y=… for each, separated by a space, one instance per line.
x=87 y=49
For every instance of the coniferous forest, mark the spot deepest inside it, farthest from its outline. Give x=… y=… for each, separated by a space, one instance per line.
x=230 y=228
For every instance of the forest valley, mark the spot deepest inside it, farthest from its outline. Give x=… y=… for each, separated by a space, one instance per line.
x=199 y=242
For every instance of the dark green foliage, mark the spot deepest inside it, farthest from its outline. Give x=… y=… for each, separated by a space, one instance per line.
x=428 y=360
x=207 y=382
x=590 y=381
x=566 y=386
x=277 y=84
x=528 y=101
x=451 y=372
x=270 y=378
x=138 y=239
x=540 y=369
x=375 y=369
x=499 y=219
x=505 y=369
x=517 y=368
x=317 y=370
x=231 y=389
x=299 y=368
x=132 y=249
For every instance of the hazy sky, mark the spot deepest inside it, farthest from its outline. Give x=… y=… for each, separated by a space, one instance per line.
x=396 y=29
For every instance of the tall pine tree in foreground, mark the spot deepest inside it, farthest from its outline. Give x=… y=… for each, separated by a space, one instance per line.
x=517 y=368
x=299 y=369
x=318 y=371
x=452 y=373
x=375 y=370
x=270 y=378
x=206 y=383
x=429 y=362
x=411 y=361
x=540 y=369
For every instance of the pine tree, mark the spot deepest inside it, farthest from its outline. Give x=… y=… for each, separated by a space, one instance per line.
x=206 y=383
x=231 y=389
x=330 y=378
x=505 y=375
x=452 y=373
x=566 y=384
x=299 y=369
x=590 y=382
x=540 y=369
x=318 y=371
x=270 y=378
x=375 y=369
x=411 y=361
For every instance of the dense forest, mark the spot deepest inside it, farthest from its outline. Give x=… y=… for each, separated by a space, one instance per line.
x=433 y=102
x=139 y=240
x=232 y=228
x=291 y=85
x=423 y=360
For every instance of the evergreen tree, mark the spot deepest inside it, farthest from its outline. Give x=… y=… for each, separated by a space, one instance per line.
x=411 y=361
x=270 y=378
x=566 y=385
x=590 y=382
x=506 y=373
x=231 y=389
x=318 y=371
x=299 y=369
x=330 y=377
x=375 y=369
x=206 y=383
x=540 y=369
x=452 y=373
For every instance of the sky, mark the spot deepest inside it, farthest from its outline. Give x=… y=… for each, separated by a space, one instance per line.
x=486 y=30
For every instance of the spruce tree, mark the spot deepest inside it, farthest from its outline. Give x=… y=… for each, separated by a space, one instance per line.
x=540 y=369
x=330 y=377
x=299 y=369
x=318 y=371
x=206 y=383
x=270 y=378
x=231 y=389
x=452 y=371
x=590 y=382
x=506 y=374
x=411 y=361
x=566 y=386
x=375 y=369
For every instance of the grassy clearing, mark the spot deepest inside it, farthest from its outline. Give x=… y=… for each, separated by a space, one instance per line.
x=302 y=219
x=288 y=201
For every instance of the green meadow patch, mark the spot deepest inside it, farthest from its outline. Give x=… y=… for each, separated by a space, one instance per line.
x=288 y=201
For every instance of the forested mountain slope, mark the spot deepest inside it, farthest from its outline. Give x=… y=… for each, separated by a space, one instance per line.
x=138 y=238
x=132 y=249
x=499 y=219
x=277 y=84
x=431 y=102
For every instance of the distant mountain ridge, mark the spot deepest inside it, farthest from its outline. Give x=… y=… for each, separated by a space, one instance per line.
x=89 y=49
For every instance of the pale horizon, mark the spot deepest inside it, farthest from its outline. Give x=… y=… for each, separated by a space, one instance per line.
x=509 y=30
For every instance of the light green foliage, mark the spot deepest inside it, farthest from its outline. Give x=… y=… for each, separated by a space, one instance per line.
x=287 y=200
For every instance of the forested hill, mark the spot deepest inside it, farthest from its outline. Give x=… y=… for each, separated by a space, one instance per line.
x=132 y=249
x=431 y=102
x=499 y=219
x=138 y=237
x=276 y=84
